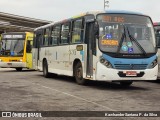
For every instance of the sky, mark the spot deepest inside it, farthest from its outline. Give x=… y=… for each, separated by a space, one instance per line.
x=55 y=10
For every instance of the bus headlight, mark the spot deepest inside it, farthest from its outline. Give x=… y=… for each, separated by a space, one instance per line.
x=153 y=64
x=1 y=60
x=20 y=60
x=105 y=62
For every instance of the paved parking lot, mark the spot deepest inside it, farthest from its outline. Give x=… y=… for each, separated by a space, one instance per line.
x=30 y=91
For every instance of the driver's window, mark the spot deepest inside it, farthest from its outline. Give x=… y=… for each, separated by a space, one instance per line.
x=29 y=46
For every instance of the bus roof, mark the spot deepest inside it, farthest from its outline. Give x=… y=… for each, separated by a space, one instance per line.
x=93 y=13
x=123 y=12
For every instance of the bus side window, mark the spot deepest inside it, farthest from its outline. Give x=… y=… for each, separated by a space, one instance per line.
x=37 y=41
x=55 y=33
x=0 y=46
x=65 y=33
x=46 y=37
x=29 y=47
x=77 y=31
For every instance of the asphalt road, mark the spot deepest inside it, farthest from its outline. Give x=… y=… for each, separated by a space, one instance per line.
x=30 y=91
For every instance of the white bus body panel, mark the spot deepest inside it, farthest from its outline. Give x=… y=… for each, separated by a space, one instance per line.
x=60 y=59
x=34 y=58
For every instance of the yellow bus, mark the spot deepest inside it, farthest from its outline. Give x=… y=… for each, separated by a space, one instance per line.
x=16 y=50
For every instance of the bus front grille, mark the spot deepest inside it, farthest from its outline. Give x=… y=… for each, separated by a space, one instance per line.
x=131 y=66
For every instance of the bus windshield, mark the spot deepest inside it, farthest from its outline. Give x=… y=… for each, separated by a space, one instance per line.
x=126 y=34
x=12 y=47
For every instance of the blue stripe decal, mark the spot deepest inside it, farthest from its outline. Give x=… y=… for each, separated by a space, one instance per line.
x=114 y=61
x=82 y=53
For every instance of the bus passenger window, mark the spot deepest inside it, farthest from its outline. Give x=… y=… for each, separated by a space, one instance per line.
x=77 y=32
x=46 y=37
x=0 y=45
x=65 y=34
x=55 y=35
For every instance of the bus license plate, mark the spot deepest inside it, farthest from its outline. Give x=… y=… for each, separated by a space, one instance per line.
x=131 y=73
x=9 y=63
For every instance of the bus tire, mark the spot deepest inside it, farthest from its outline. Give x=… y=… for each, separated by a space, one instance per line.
x=126 y=83
x=45 y=69
x=19 y=69
x=78 y=74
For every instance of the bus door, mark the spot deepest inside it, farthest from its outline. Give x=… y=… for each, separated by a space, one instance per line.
x=36 y=55
x=89 y=40
x=29 y=52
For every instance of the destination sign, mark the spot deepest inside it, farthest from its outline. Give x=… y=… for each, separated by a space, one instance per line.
x=13 y=36
x=110 y=42
x=118 y=19
x=123 y=18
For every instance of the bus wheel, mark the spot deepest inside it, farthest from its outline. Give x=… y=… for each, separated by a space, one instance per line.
x=19 y=69
x=45 y=69
x=78 y=73
x=126 y=83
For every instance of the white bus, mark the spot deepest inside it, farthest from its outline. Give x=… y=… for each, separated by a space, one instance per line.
x=116 y=46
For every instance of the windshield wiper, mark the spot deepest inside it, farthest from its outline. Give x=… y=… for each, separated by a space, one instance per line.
x=121 y=40
x=15 y=45
x=137 y=43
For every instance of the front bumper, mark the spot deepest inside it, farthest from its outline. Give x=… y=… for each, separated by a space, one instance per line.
x=108 y=74
x=12 y=64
